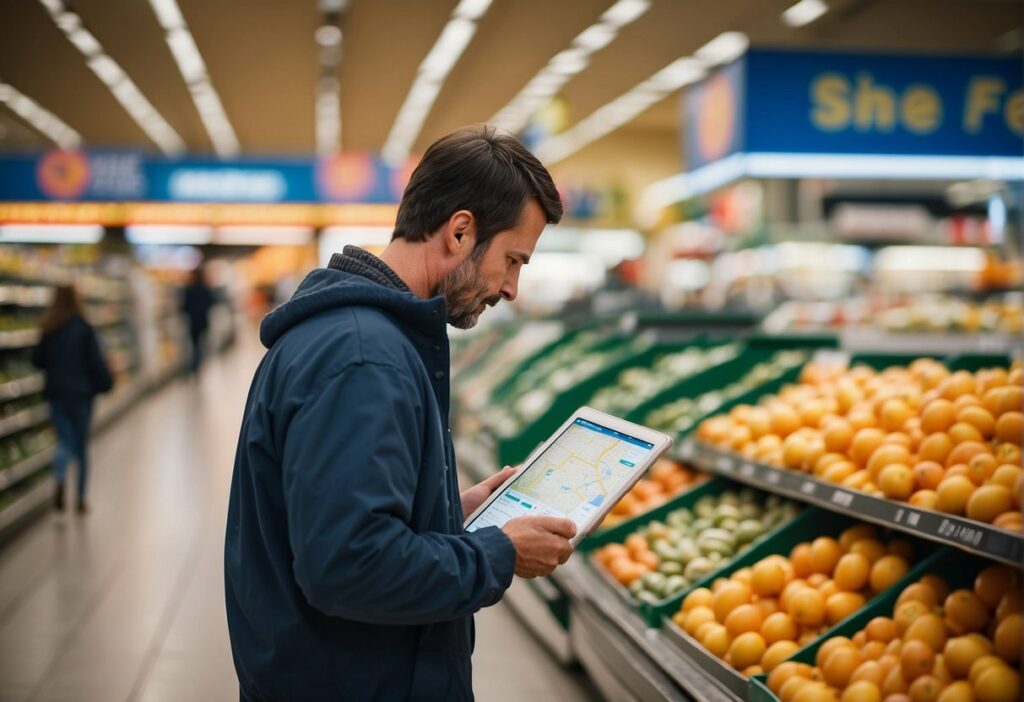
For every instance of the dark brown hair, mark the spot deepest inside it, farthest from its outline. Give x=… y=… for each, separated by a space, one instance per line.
x=481 y=170
x=65 y=306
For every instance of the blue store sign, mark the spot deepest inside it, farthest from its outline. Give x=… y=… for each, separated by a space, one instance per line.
x=786 y=102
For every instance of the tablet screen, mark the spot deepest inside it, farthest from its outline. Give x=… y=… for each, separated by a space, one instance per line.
x=585 y=466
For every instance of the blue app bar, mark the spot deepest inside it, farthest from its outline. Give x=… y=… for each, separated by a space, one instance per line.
x=611 y=432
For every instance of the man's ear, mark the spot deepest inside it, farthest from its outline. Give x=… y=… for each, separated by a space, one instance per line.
x=460 y=234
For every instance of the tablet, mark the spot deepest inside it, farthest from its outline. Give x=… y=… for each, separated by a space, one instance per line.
x=586 y=466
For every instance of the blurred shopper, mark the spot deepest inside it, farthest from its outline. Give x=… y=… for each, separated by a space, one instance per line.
x=196 y=302
x=69 y=354
x=348 y=572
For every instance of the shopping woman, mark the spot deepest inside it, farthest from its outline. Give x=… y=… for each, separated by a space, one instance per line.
x=69 y=354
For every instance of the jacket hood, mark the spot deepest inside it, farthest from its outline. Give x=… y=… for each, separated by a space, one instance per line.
x=327 y=288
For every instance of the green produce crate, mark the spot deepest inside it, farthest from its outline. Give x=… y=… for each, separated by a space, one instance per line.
x=808 y=526
x=976 y=361
x=618 y=534
x=958 y=569
x=637 y=521
x=777 y=342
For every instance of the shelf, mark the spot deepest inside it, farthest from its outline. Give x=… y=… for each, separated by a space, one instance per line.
x=959 y=532
x=20 y=339
x=27 y=468
x=34 y=296
x=925 y=343
x=24 y=419
x=13 y=389
x=18 y=513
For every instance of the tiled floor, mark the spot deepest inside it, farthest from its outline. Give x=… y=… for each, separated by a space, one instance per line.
x=127 y=603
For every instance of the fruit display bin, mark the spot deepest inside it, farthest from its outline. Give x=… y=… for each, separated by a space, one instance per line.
x=958 y=569
x=652 y=612
x=811 y=524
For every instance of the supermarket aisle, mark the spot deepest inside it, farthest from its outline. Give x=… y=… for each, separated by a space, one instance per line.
x=127 y=603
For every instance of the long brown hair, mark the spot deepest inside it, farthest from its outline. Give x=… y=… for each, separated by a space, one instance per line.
x=65 y=306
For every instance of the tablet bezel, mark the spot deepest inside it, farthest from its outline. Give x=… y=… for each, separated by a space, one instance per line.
x=660 y=444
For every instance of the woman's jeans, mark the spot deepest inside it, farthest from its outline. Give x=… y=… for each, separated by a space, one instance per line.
x=71 y=417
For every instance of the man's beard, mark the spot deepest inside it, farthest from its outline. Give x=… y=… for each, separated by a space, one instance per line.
x=465 y=293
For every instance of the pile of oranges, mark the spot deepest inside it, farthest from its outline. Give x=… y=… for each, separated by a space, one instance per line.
x=939 y=646
x=665 y=480
x=763 y=614
x=940 y=440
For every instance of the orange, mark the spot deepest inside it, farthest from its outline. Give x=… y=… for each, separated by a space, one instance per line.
x=896 y=481
x=981 y=665
x=928 y=474
x=784 y=671
x=1007 y=452
x=730 y=596
x=905 y=615
x=887 y=571
x=852 y=571
x=953 y=494
x=807 y=607
x=994 y=582
x=752 y=671
x=701 y=597
x=1011 y=603
x=872 y=650
x=916 y=659
x=959 y=383
x=1010 y=427
x=872 y=549
x=869 y=670
x=988 y=502
x=816 y=580
x=925 y=688
x=978 y=417
x=1010 y=400
x=838 y=436
x=777 y=653
x=789 y=688
x=828 y=588
x=886 y=455
x=865 y=441
x=1008 y=638
x=887 y=662
x=840 y=664
x=1006 y=475
x=862 y=691
x=852 y=535
x=894 y=413
x=800 y=558
x=966 y=610
x=815 y=692
x=746 y=617
x=918 y=592
x=717 y=640
x=784 y=421
x=881 y=629
x=842 y=604
x=839 y=472
x=860 y=640
x=767 y=578
x=935 y=447
x=636 y=543
x=792 y=587
x=894 y=684
x=980 y=468
x=746 y=650
x=961 y=652
x=929 y=629
x=695 y=617
x=705 y=629
x=962 y=431
x=925 y=499
x=828 y=646
x=964 y=451
x=998 y=684
x=742 y=576
x=825 y=554
x=960 y=691
x=941 y=670
x=778 y=627
x=767 y=605
x=937 y=415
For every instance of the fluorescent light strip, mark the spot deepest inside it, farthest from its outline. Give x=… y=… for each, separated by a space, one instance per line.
x=51 y=233
x=262 y=235
x=431 y=75
x=567 y=63
x=169 y=234
x=193 y=70
x=117 y=81
x=39 y=118
x=804 y=12
x=328 y=90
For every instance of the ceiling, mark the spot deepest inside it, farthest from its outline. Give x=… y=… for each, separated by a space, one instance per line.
x=262 y=60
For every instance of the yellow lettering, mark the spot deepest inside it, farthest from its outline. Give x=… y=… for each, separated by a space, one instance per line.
x=874 y=105
x=982 y=98
x=1014 y=112
x=830 y=94
x=920 y=109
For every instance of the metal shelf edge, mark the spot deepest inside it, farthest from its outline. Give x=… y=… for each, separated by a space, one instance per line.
x=26 y=468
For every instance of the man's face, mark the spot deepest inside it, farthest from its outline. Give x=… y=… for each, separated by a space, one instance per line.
x=491 y=273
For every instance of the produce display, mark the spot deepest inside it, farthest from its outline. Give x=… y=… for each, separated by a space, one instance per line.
x=762 y=614
x=681 y=414
x=940 y=440
x=637 y=385
x=663 y=558
x=17 y=448
x=938 y=646
x=15 y=369
x=665 y=480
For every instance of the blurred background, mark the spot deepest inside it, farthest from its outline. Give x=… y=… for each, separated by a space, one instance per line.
x=841 y=169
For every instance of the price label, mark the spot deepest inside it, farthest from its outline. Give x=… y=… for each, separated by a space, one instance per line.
x=808 y=488
x=747 y=470
x=773 y=477
x=843 y=498
x=724 y=463
x=960 y=533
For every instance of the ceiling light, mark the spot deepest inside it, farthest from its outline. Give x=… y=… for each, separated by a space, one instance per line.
x=567 y=63
x=328 y=35
x=262 y=235
x=39 y=118
x=170 y=234
x=724 y=48
x=106 y=69
x=186 y=53
x=679 y=73
x=85 y=42
x=51 y=233
x=433 y=71
x=168 y=14
x=804 y=12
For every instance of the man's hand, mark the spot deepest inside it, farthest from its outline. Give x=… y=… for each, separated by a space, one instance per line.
x=475 y=496
x=542 y=543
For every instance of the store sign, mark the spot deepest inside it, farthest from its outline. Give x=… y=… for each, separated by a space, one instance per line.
x=79 y=176
x=782 y=102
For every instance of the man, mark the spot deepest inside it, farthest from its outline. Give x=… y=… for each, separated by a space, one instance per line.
x=348 y=573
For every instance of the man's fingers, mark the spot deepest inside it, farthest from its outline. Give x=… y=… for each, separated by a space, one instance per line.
x=498 y=478
x=558 y=526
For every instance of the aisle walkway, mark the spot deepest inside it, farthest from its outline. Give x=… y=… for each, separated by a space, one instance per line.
x=127 y=603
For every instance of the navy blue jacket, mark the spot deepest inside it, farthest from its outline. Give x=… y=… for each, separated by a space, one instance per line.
x=72 y=361
x=348 y=573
